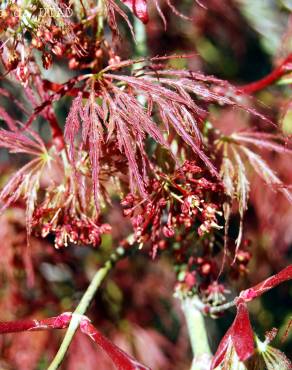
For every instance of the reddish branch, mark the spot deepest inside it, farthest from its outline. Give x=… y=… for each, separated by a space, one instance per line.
x=59 y=90
x=58 y=322
x=275 y=75
x=57 y=133
x=120 y=358
x=259 y=289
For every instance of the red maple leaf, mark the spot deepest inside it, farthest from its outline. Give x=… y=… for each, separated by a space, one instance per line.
x=240 y=334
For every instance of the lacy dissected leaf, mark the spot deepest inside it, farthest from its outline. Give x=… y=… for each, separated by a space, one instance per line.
x=111 y=9
x=263 y=140
x=8 y=119
x=274 y=359
x=207 y=88
x=17 y=142
x=267 y=357
x=93 y=118
x=152 y=103
x=130 y=132
x=227 y=173
x=237 y=156
x=25 y=182
x=242 y=184
x=266 y=173
x=72 y=124
x=91 y=134
x=242 y=193
x=171 y=99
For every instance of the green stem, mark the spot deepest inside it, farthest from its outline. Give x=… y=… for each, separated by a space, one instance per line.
x=197 y=332
x=83 y=306
x=100 y=18
x=141 y=39
x=140 y=49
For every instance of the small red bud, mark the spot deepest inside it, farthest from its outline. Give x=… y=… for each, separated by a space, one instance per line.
x=37 y=43
x=73 y=63
x=58 y=49
x=47 y=60
x=205 y=269
x=13 y=61
x=168 y=232
x=190 y=279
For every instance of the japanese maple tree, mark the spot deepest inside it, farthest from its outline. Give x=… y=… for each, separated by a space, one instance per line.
x=124 y=161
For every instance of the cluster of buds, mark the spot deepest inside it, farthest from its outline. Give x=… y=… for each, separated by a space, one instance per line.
x=176 y=203
x=9 y=17
x=18 y=63
x=70 y=41
x=78 y=48
x=22 y=73
x=215 y=293
x=68 y=229
x=207 y=212
x=198 y=274
x=84 y=52
x=51 y=41
x=13 y=59
x=211 y=293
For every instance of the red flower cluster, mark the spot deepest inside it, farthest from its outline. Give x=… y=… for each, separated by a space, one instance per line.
x=10 y=17
x=68 y=228
x=176 y=203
